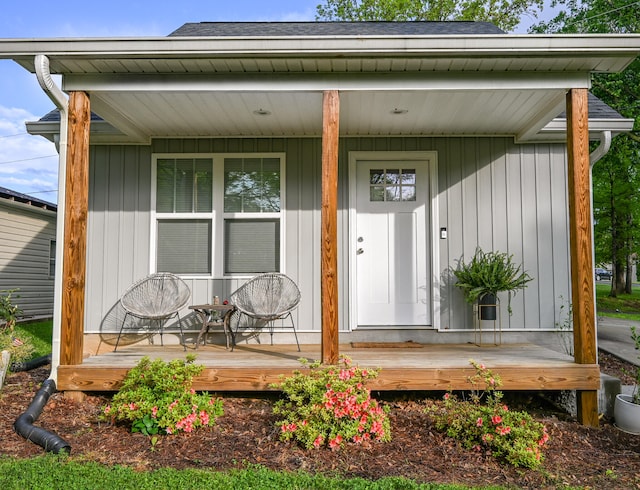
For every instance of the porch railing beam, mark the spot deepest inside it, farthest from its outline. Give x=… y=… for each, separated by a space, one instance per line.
x=75 y=230
x=329 y=225
x=581 y=247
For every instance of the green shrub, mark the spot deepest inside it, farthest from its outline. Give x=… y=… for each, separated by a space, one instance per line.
x=9 y=311
x=331 y=406
x=484 y=422
x=157 y=397
x=21 y=350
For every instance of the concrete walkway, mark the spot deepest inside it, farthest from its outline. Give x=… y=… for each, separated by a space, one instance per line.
x=614 y=337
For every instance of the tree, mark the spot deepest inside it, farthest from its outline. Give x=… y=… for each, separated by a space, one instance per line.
x=616 y=178
x=505 y=14
x=616 y=204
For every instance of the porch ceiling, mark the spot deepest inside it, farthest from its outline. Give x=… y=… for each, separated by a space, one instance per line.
x=140 y=116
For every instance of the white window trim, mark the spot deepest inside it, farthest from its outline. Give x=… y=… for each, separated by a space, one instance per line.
x=217 y=214
x=52 y=259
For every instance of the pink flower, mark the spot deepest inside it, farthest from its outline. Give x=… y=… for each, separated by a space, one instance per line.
x=154 y=412
x=544 y=439
x=479 y=422
x=446 y=396
x=503 y=431
x=204 y=417
x=496 y=419
x=318 y=442
x=107 y=410
x=288 y=427
x=132 y=406
x=335 y=442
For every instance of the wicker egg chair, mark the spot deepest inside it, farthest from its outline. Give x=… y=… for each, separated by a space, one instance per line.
x=157 y=298
x=266 y=298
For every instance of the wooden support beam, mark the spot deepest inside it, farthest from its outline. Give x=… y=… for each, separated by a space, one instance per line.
x=581 y=246
x=329 y=225
x=75 y=230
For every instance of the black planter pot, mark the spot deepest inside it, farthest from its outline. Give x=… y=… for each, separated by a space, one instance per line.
x=487 y=307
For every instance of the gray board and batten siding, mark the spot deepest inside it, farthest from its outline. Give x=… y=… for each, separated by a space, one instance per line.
x=492 y=193
x=28 y=231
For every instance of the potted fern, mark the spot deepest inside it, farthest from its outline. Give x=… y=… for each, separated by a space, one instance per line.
x=626 y=410
x=487 y=274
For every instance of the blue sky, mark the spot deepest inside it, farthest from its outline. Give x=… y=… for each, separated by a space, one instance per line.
x=28 y=164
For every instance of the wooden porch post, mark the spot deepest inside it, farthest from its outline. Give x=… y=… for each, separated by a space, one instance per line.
x=329 y=225
x=582 y=286
x=75 y=230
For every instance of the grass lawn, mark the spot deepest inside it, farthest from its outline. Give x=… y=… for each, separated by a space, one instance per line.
x=40 y=335
x=623 y=306
x=49 y=471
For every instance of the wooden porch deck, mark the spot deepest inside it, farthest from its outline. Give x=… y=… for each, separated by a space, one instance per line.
x=252 y=367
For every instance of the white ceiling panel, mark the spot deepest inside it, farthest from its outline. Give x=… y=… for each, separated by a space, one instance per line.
x=441 y=112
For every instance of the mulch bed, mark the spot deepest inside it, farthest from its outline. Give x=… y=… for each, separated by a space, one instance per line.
x=599 y=458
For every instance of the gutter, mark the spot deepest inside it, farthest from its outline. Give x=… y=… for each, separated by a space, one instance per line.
x=597 y=154
x=61 y=101
x=602 y=149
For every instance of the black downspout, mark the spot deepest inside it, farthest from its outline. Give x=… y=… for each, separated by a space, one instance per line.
x=24 y=424
x=32 y=364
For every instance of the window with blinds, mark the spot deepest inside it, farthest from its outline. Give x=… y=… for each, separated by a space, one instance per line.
x=184 y=246
x=251 y=246
x=227 y=207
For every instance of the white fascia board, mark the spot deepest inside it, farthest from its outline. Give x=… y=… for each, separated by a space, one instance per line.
x=616 y=126
x=101 y=132
x=556 y=130
x=316 y=82
x=499 y=45
x=29 y=207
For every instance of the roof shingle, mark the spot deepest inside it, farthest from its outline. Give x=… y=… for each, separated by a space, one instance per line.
x=296 y=29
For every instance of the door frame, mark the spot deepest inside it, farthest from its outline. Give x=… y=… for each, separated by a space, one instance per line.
x=433 y=245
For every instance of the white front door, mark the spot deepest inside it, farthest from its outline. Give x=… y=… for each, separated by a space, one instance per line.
x=393 y=286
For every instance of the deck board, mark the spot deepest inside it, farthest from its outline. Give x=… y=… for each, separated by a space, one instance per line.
x=429 y=367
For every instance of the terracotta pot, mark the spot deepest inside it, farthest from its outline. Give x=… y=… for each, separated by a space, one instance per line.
x=626 y=414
